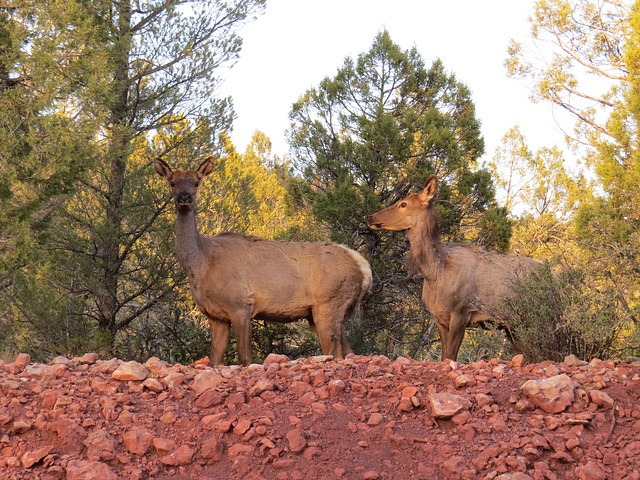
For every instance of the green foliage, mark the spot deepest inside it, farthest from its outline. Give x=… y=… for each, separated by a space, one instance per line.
x=175 y=335
x=552 y=315
x=592 y=224
x=495 y=229
x=485 y=343
x=371 y=135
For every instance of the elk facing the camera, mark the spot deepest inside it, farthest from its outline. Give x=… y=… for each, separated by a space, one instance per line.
x=235 y=278
x=463 y=284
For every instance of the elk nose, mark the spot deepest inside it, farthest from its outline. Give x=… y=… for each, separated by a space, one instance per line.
x=183 y=197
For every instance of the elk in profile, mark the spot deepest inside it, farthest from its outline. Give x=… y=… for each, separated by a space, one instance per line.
x=463 y=284
x=235 y=278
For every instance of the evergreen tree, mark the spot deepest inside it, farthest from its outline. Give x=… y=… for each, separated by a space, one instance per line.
x=368 y=137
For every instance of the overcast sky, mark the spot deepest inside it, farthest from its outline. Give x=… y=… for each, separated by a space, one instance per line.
x=297 y=43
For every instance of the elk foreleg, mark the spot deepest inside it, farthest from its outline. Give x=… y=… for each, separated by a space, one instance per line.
x=451 y=335
x=219 y=340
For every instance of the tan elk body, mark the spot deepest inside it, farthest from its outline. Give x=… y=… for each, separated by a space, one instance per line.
x=235 y=278
x=463 y=284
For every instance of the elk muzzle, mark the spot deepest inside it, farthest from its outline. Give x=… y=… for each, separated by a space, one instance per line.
x=373 y=224
x=184 y=199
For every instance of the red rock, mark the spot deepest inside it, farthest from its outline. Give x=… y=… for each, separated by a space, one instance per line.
x=308 y=398
x=181 y=456
x=5 y=418
x=153 y=384
x=453 y=467
x=601 y=399
x=22 y=361
x=31 y=458
x=513 y=476
x=86 y=359
x=572 y=361
x=409 y=392
x=130 y=371
x=21 y=426
x=164 y=445
x=464 y=380
x=590 y=471
x=446 y=405
x=370 y=475
x=137 y=441
x=375 y=419
x=240 y=449
x=318 y=378
x=275 y=358
x=242 y=427
x=81 y=470
x=254 y=476
x=296 y=440
x=284 y=463
x=60 y=360
x=49 y=398
x=70 y=434
x=299 y=388
x=260 y=387
x=100 y=446
x=336 y=387
x=210 y=398
x=461 y=418
x=173 y=379
x=206 y=380
x=498 y=423
x=212 y=450
x=320 y=358
x=168 y=417
x=203 y=361
x=553 y=394
x=517 y=361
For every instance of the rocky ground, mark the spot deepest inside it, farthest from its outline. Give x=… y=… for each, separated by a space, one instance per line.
x=317 y=418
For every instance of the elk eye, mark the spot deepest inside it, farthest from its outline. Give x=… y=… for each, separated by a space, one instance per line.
x=403 y=205
x=197 y=184
x=171 y=184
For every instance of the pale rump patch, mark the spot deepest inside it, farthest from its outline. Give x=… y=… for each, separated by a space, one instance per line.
x=367 y=276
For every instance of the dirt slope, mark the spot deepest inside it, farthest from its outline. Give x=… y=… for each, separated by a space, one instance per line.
x=359 y=418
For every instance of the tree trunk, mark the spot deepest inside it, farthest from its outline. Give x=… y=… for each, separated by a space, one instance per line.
x=116 y=155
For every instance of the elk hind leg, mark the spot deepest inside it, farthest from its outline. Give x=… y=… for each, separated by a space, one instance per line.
x=327 y=319
x=242 y=330
x=345 y=348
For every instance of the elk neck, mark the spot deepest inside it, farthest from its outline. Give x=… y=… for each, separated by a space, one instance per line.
x=188 y=241
x=426 y=246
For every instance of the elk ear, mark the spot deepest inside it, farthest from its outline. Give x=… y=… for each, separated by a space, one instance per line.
x=206 y=167
x=430 y=190
x=162 y=168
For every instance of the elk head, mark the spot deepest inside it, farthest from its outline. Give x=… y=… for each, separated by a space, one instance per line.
x=406 y=213
x=184 y=183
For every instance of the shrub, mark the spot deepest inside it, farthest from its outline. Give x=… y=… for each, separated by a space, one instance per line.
x=552 y=315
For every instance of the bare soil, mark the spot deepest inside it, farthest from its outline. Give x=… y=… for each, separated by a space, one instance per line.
x=316 y=418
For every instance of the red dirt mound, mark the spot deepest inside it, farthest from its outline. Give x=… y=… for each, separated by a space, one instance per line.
x=318 y=418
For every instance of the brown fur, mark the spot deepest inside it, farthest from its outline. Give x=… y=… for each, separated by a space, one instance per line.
x=235 y=278
x=463 y=284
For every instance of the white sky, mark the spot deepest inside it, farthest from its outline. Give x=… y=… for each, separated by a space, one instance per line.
x=297 y=43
